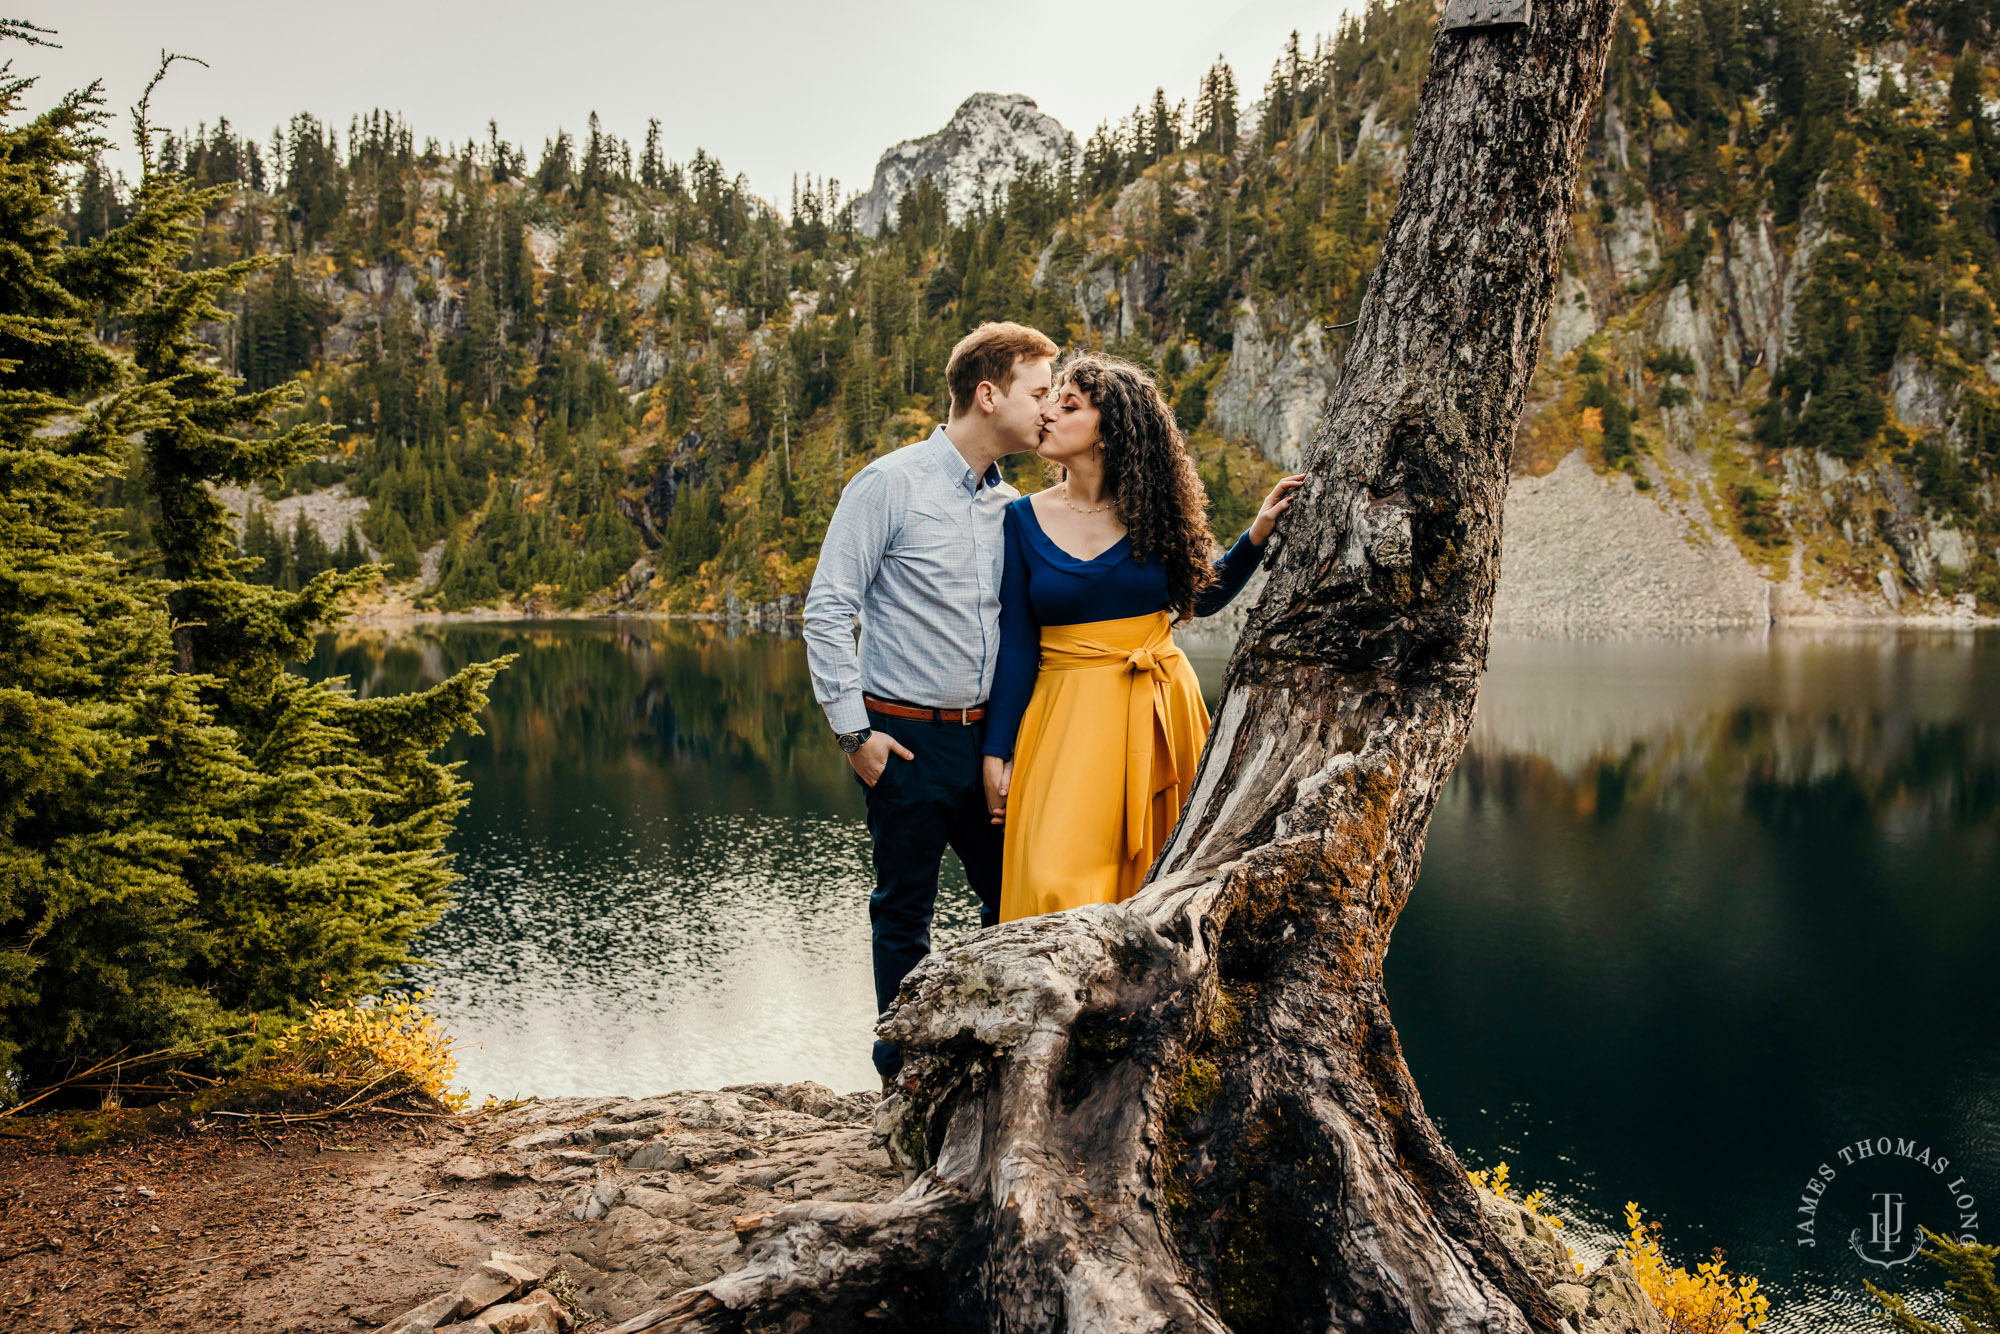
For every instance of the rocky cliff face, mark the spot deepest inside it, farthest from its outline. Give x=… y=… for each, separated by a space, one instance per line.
x=1701 y=525
x=1277 y=380
x=976 y=152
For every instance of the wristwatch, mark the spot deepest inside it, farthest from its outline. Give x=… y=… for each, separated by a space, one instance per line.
x=853 y=741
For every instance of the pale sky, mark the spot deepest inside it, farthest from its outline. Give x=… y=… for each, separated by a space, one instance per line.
x=771 y=88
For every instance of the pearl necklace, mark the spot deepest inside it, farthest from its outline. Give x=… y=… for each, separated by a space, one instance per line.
x=1099 y=509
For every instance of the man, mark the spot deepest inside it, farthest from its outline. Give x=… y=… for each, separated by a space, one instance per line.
x=914 y=549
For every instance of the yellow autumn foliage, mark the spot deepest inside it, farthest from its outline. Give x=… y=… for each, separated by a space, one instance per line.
x=371 y=1040
x=1709 y=1301
x=1498 y=1182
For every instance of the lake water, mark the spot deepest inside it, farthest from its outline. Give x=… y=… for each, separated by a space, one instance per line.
x=1695 y=915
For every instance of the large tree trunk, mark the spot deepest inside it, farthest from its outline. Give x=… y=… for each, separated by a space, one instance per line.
x=1190 y=1111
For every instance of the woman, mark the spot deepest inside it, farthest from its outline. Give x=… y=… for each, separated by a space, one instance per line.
x=1096 y=718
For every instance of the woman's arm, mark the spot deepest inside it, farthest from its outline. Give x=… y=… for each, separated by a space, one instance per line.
x=1014 y=673
x=1020 y=646
x=1234 y=568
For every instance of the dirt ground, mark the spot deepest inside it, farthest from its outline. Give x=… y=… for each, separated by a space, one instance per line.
x=336 y=1227
x=317 y=1229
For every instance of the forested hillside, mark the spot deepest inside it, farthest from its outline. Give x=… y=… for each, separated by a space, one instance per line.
x=585 y=375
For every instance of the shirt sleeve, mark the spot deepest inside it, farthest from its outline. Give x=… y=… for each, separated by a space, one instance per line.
x=1232 y=570
x=849 y=558
x=1020 y=644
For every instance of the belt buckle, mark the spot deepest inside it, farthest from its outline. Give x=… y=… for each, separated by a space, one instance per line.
x=965 y=717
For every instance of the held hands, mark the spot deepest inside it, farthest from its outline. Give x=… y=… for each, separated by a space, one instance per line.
x=999 y=777
x=873 y=757
x=1276 y=503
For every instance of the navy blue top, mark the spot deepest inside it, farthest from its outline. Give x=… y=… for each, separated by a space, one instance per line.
x=1041 y=584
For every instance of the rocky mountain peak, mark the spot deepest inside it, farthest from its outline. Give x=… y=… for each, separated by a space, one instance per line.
x=972 y=155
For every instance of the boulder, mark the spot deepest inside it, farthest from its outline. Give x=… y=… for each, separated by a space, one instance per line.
x=470 y=1169
x=538 y=1313
x=423 y=1319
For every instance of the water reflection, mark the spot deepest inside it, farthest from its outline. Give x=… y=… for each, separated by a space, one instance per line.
x=665 y=870
x=1693 y=914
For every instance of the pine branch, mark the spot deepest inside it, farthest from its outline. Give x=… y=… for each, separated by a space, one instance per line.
x=21 y=30
x=142 y=128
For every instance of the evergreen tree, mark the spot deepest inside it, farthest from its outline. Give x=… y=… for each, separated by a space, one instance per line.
x=99 y=210
x=351 y=556
x=1972 y=1295
x=1162 y=128
x=653 y=171
x=315 y=179
x=595 y=175
x=113 y=770
x=351 y=815
x=190 y=834
x=1215 y=110
x=262 y=544
x=310 y=554
x=552 y=176
x=399 y=549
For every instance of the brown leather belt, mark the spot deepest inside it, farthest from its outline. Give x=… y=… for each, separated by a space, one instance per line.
x=888 y=710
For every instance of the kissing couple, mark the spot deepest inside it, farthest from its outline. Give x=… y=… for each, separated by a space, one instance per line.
x=1017 y=695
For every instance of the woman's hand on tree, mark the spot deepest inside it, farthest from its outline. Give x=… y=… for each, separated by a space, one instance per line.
x=1275 y=504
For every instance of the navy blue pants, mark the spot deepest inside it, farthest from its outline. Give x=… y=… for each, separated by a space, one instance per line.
x=918 y=808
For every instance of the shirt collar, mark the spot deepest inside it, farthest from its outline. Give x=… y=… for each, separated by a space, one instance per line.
x=953 y=465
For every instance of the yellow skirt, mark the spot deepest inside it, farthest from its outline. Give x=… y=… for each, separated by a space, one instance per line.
x=1102 y=764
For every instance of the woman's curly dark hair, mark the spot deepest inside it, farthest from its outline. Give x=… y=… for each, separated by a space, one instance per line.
x=1148 y=474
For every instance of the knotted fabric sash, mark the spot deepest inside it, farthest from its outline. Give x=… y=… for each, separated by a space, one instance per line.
x=1142 y=647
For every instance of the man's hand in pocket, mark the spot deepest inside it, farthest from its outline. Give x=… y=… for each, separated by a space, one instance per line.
x=873 y=757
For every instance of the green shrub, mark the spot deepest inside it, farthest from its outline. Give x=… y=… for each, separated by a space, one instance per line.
x=1616 y=418
x=1757 y=513
x=1670 y=361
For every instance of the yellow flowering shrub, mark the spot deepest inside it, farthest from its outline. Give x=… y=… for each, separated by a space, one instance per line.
x=1498 y=1182
x=369 y=1040
x=1708 y=1301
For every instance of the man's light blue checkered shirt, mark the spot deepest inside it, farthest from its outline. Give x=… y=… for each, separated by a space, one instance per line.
x=914 y=549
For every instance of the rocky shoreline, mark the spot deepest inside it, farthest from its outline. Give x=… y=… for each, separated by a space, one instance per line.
x=640 y=1198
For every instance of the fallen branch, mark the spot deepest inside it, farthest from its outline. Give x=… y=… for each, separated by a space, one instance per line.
x=119 y=1061
x=224 y=1255
x=353 y=1104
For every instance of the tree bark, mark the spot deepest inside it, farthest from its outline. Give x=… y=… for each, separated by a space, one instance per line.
x=1190 y=1111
